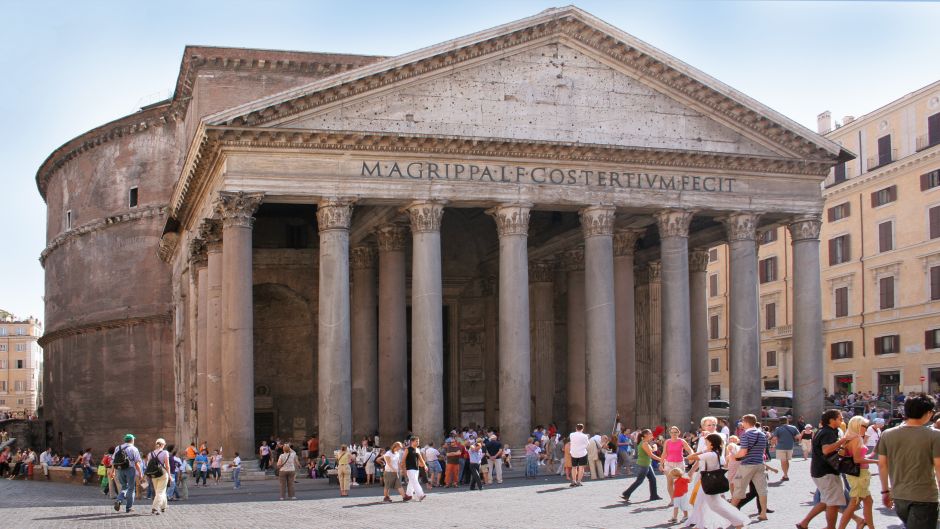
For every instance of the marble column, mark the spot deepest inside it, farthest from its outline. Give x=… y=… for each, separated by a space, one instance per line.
x=542 y=303
x=576 y=390
x=393 y=334
x=211 y=231
x=698 y=323
x=597 y=223
x=488 y=290
x=238 y=360
x=363 y=328
x=427 y=327
x=673 y=227
x=808 y=350
x=515 y=418
x=334 y=408
x=199 y=262
x=625 y=333
x=744 y=329
x=655 y=342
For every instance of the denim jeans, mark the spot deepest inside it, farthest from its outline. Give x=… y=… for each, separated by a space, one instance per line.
x=127 y=477
x=531 y=465
x=171 y=488
x=917 y=514
x=236 y=475
x=201 y=475
x=643 y=473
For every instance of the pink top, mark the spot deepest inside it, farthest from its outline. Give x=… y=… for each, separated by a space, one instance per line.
x=864 y=450
x=673 y=451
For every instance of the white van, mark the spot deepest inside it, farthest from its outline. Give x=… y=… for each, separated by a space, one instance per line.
x=781 y=400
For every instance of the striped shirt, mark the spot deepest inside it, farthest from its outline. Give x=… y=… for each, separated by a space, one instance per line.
x=755 y=442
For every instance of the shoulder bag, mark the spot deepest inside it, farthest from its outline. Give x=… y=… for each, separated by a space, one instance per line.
x=715 y=481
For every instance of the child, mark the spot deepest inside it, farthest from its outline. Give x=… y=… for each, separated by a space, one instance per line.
x=680 y=495
x=507 y=457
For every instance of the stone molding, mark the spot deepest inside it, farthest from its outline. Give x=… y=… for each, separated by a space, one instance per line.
x=133 y=215
x=236 y=208
x=198 y=253
x=698 y=261
x=625 y=240
x=741 y=226
x=392 y=238
x=425 y=216
x=655 y=271
x=597 y=221
x=574 y=259
x=334 y=214
x=673 y=222
x=58 y=334
x=362 y=257
x=805 y=228
x=512 y=219
x=210 y=230
x=542 y=271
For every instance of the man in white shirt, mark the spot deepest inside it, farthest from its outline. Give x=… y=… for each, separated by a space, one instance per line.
x=578 y=448
x=46 y=461
x=873 y=434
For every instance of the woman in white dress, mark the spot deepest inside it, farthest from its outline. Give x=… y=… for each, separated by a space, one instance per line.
x=709 y=425
x=715 y=512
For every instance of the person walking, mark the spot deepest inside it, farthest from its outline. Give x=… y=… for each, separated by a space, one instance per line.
x=476 y=458
x=126 y=463
x=713 y=511
x=412 y=463
x=784 y=439
x=494 y=460
x=751 y=469
x=215 y=466
x=286 y=468
x=432 y=456
x=264 y=456
x=160 y=476
x=827 y=441
x=859 y=485
x=343 y=472
x=909 y=465
x=392 y=475
x=610 y=459
x=578 y=449
x=806 y=441
x=674 y=450
x=237 y=471
x=644 y=462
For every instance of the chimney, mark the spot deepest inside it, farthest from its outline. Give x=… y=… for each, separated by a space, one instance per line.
x=824 y=122
x=848 y=119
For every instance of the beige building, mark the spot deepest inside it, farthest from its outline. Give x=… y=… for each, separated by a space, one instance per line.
x=879 y=261
x=20 y=364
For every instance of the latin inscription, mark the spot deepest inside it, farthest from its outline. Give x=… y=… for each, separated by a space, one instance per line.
x=511 y=174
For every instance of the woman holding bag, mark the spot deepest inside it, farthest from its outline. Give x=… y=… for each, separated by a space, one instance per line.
x=715 y=513
x=286 y=469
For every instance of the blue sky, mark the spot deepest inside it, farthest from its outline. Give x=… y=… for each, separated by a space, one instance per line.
x=71 y=66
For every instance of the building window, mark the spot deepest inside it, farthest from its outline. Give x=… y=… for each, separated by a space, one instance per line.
x=715 y=391
x=885 y=345
x=768 y=236
x=713 y=327
x=715 y=365
x=768 y=270
x=933 y=217
x=842 y=302
x=771 y=385
x=839 y=173
x=713 y=285
x=932 y=339
x=19 y=385
x=934 y=283
x=3 y=331
x=886 y=292
x=933 y=129
x=770 y=315
x=68 y=219
x=842 y=383
x=20 y=331
x=3 y=364
x=21 y=348
x=884 y=196
x=839 y=251
x=19 y=364
x=132 y=197
x=3 y=385
x=886 y=236
x=3 y=347
x=884 y=150
x=930 y=180
x=712 y=255
x=840 y=350
x=771 y=358
x=19 y=402
x=839 y=212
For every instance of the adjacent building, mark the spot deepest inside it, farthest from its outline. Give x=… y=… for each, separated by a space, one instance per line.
x=880 y=261
x=20 y=365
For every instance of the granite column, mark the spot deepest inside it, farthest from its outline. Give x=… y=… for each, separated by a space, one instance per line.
x=808 y=351
x=576 y=390
x=625 y=333
x=698 y=323
x=211 y=231
x=199 y=263
x=542 y=303
x=393 y=334
x=363 y=328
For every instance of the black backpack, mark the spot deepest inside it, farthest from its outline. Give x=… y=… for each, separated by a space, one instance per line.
x=120 y=460
x=155 y=468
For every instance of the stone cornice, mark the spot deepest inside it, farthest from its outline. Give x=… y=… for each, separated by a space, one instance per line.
x=100 y=224
x=58 y=334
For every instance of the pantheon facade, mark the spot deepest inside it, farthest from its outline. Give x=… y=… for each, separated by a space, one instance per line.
x=507 y=229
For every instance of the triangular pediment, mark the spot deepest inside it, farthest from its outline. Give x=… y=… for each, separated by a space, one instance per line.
x=559 y=76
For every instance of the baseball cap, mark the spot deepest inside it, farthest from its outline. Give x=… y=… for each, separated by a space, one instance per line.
x=128 y=437
x=879 y=420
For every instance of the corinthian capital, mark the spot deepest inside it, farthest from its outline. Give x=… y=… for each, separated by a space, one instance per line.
x=391 y=237
x=425 y=216
x=597 y=220
x=698 y=260
x=625 y=240
x=198 y=255
x=334 y=214
x=805 y=228
x=741 y=226
x=542 y=271
x=673 y=222
x=574 y=259
x=511 y=219
x=362 y=257
x=655 y=268
x=236 y=208
x=210 y=230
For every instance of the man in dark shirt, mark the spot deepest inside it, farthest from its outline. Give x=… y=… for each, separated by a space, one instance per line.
x=831 y=493
x=494 y=451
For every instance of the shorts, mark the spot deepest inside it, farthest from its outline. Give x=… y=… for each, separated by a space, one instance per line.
x=434 y=467
x=831 y=491
x=669 y=465
x=859 y=486
x=392 y=481
x=579 y=461
x=785 y=455
x=749 y=474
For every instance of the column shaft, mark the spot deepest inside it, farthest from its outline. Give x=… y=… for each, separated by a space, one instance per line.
x=744 y=329
x=698 y=322
x=333 y=348
x=625 y=333
x=393 y=335
x=212 y=231
x=576 y=390
x=427 y=328
x=365 y=420
x=807 y=320
x=542 y=305
x=202 y=305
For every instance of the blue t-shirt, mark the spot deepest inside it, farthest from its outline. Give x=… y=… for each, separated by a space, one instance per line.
x=202 y=462
x=755 y=442
x=623 y=441
x=786 y=436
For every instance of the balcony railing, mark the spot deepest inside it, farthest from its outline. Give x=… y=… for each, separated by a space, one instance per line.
x=875 y=162
x=923 y=142
x=784 y=331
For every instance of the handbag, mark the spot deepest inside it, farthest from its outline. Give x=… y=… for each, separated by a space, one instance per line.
x=715 y=481
x=844 y=464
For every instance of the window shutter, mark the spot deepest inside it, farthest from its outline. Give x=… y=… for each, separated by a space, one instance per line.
x=874 y=199
x=935 y=282
x=831 y=212
x=933 y=129
x=848 y=349
x=832 y=252
x=773 y=264
x=848 y=209
x=846 y=249
x=884 y=150
x=832 y=351
x=924 y=182
x=879 y=346
x=892 y=193
x=762 y=271
x=929 y=340
x=884 y=237
x=935 y=222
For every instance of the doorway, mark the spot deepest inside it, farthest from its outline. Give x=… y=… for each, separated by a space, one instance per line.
x=265 y=422
x=889 y=383
x=842 y=384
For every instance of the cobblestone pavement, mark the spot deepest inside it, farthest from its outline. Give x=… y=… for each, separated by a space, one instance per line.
x=518 y=502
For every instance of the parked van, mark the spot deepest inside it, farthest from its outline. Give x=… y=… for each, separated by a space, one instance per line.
x=781 y=400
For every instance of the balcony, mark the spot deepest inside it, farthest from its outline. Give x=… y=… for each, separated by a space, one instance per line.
x=875 y=162
x=924 y=142
x=784 y=331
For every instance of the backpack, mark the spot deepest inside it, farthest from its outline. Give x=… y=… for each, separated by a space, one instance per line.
x=120 y=460
x=155 y=468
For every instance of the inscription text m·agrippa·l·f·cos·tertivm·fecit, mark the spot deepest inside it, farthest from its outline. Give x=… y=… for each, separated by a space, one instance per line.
x=517 y=174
